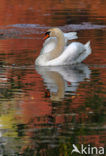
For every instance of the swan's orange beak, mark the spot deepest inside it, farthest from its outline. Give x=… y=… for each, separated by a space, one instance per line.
x=47 y=36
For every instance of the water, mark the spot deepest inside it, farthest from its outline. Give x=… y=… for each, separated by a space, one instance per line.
x=44 y=111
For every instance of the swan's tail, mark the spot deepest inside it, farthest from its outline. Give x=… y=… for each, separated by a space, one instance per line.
x=88 y=48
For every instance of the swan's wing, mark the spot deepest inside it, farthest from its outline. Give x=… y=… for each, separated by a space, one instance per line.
x=80 y=53
x=70 y=36
x=70 y=55
x=73 y=52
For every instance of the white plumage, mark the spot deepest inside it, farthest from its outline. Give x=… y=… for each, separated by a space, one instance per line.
x=55 y=52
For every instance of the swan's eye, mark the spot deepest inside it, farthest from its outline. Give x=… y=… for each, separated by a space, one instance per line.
x=47 y=35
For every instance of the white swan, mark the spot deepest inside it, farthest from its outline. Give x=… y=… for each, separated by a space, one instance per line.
x=74 y=53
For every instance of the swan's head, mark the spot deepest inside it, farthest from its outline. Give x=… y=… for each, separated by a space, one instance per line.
x=53 y=32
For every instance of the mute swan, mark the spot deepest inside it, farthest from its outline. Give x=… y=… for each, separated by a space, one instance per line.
x=74 y=53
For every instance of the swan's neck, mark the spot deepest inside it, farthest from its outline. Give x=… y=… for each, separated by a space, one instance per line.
x=58 y=49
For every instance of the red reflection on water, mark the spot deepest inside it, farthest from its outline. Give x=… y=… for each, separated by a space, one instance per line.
x=39 y=11
x=36 y=108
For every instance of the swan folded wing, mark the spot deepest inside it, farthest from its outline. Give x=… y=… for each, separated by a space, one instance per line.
x=70 y=55
x=84 y=53
x=76 y=52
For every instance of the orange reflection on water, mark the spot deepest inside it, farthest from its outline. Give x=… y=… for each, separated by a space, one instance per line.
x=24 y=91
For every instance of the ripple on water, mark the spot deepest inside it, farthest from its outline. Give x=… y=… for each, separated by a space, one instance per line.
x=19 y=30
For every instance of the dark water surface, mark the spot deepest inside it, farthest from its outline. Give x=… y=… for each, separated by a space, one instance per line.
x=44 y=111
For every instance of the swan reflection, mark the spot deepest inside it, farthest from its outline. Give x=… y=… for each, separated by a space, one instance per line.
x=63 y=80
